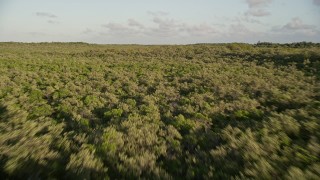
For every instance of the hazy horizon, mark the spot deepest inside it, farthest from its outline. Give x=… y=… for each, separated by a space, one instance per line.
x=155 y=22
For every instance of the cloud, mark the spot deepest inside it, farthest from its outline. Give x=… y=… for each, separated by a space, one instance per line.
x=171 y=27
x=199 y=30
x=52 y=22
x=258 y=3
x=166 y=23
x=51 y=18
x=296 y=26
x=240 y=30
x=134 y=23
x=257 y=12
x=87 y=31
x=113 y=26
x=120 y=30
x=257 y=8
x=45 y=14
x=116 y=27
x=316 y=2
x=161 y=27
x=166 y=30
x=241 y=18
x=164 y=27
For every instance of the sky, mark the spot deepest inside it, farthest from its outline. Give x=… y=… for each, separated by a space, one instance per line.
x=160 y=21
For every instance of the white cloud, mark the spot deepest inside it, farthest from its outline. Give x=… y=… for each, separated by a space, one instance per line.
x=119 y=30
x=51 y=18
x=257 y=12
x=134 y=23
x=296 y=26
x=52 y=22
x=200 y=29
x=162 y=27
x=115 y=27
x=166 y=30
x=258 y=3
x=257 y=8
x=87 y=31
x=240 y=30
x=45 y=14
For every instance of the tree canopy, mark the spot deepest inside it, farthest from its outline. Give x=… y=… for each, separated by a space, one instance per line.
x=205 y=111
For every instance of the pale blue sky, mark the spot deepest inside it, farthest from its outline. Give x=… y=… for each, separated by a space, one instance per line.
x=160 y=21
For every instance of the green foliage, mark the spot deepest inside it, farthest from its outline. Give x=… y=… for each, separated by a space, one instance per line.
x=35 y=95
x=205 y=111
x=242 y=114
x=91 y=100
x=183 y=124
x=62 y=93
x=85 y=165
x=85 y=122
x=42 y=110
x=112 y=140
x=113 y=113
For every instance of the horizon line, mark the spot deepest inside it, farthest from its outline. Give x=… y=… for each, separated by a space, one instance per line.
x=155 y=44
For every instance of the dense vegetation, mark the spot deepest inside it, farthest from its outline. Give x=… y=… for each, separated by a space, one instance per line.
x=205 y=111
